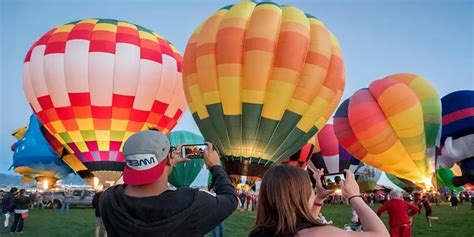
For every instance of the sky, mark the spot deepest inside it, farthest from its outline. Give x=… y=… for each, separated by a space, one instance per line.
x=378 y=37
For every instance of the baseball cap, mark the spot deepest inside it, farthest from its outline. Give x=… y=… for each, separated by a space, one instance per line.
x=145 y=157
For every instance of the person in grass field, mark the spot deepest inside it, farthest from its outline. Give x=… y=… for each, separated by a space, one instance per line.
x=8 y=203
x=287 y=206
x=428 y=210
x=399 y=213
x=144 y=206
x=22 y=203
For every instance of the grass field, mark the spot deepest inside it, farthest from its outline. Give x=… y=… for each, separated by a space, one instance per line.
x=80 y=222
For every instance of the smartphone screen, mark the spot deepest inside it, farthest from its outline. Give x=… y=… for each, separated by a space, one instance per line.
x=193 y=151
x=331 y=181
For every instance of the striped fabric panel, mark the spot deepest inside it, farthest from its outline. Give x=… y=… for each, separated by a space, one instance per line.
x=458 y=114
x=430 y=102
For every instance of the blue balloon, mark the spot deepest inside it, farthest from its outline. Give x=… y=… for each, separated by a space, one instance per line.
x=34 y=151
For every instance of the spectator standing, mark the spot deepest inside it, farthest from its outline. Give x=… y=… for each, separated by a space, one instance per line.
x=143 y=205
x=454 y=200
x=8 y=203
x=22 y=203
x=98 y=219
x=67 y=202
x=399 y=212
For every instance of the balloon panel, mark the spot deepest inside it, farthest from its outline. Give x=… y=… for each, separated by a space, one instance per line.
x=261 y=80
x=331 y=156
x=95 y=82
x=429 y=100
x=301 y=157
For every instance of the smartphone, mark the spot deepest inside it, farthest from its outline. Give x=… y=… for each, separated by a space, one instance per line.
x=193 y=151
x=331 y=181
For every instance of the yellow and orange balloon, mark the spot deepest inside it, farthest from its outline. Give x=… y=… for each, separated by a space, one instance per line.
x=95 y=82
x=391 y=124
x=260 y=80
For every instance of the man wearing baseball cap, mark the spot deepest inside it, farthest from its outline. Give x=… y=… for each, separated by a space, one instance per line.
x=143 y=205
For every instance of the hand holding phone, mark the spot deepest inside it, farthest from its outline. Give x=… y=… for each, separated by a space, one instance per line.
x=350 y=187
x=193 y=151
x=332 y=181
x=211 y=156
x=175 y=157
x=321 y=192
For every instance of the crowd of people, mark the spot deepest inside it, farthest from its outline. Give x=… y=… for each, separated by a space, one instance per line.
x=287 y=203
x=247 y=200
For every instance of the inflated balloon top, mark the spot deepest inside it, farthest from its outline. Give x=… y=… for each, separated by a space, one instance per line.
x=457 y=133
x=391 y=124
x=261 y=79
x=95 y=82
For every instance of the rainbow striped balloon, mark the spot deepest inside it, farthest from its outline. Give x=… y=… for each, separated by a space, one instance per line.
x=391 y=124
x=261 y=79
x=95 y=82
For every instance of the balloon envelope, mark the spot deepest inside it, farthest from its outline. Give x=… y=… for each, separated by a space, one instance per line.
x=185 y=173
x=391 y=124
x=457 y=133
x=34 y=157
x=260 y=80
x=95 y=82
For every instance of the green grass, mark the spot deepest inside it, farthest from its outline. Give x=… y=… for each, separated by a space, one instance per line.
x=80 y=222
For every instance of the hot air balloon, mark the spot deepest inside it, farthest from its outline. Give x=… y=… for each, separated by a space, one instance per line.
x=260 y=80
x=444 y=177
x=391 y=124
x=457 y=135
x=35 y=158
x=367 y=177
x=95 y=82
x=184 y=174
x=329 y=154
x=301 y=157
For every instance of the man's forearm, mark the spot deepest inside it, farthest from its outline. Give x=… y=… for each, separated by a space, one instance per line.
x=222 y=183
